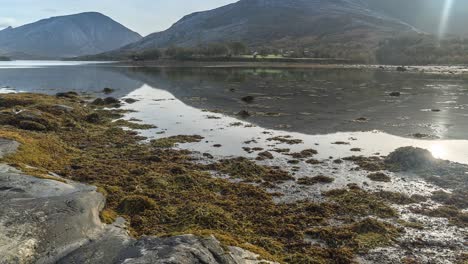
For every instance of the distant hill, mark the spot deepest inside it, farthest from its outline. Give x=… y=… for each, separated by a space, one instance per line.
x=65 y=36
x=283 y=23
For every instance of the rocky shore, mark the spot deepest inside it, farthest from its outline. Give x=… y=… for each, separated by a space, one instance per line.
x=156 y=204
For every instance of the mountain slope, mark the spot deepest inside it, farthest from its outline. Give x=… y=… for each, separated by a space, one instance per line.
x=66 y=36
x=259 y=22
x=425 y=14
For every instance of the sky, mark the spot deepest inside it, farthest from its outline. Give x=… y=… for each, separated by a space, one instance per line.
x=142 y=16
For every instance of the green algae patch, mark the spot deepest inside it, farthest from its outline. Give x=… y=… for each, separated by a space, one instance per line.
x=133 y=125
x=315 y=180
x=379 y=177
x=359 y=202
x=362 y=236
x=161 y=191
x=170 y=142
x=372 y=164
x=453 y=214
x=399 y=198
x=249 y=171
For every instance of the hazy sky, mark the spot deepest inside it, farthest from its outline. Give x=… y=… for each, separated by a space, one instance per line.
x=143 y=16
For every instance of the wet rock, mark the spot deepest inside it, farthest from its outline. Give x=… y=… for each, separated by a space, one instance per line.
x=341 y=143
x=379 y=177
x=63 y=108
x=94 y=118
x=356 y=149
x=248 y=99
x=395 y=94
x=208 y=155
x=313 y=162
x=108 y=101
x=130 y=100
x=70 y=94
x=315 y=180
x=401 y=69
x=217 y=145
x=409 y=158
x=265 y=155
x=367 y=163
x=436 y=110
x=307 y=153
x=286 y=140
x=32 y=126
x=108 y=90
x=135 y=204
x=361 y=119
x=243 y=114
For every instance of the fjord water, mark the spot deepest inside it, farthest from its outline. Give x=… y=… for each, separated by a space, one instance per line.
x=318 y=106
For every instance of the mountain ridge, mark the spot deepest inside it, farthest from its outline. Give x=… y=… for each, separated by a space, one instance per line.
x=66 y=36
x=257 y=22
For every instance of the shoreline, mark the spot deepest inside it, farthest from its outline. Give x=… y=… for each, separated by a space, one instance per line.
x=166 y=192
x=420 y=69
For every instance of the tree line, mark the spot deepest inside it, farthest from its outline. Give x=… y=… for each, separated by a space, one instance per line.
x=201 y=51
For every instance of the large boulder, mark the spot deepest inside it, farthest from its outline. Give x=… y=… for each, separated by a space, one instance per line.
x=409 y=158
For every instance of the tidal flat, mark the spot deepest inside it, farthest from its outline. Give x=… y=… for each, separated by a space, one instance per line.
x=175 y=165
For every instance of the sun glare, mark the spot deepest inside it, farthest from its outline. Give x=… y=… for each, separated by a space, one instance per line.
x=438 y=151
x=445 y=18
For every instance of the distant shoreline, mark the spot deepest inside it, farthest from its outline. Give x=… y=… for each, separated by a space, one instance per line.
x=319 y=64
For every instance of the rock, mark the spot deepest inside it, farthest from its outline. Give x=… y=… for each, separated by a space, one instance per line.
x=379 y=177
x=401 y=69
x=108 y=90
x=361 y=119
x=409 y=158
x=107 y=102
x=52 y=221
x=94 y=118
x=70 y=94
x=130 y=100
x=265 y=155
x=248 y=99
x=63 y=108
x=31 y=125
x=395 y=94
x=208 y=155
x=315 y=180
x=243 y=114
x=135 y=204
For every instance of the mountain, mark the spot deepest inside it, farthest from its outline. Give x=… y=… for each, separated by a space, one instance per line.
x=65 y=36
x=277 y=22
x=425 y=14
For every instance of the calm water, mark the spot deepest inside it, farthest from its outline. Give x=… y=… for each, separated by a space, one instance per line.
x=318 y=106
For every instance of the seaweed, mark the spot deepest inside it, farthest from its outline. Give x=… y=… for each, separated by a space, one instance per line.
x=161 y=191
x=315 y=180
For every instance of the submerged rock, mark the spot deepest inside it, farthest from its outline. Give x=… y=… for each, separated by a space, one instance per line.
x=248 y=99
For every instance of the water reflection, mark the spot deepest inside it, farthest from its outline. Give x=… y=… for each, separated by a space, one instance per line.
x=173 y=117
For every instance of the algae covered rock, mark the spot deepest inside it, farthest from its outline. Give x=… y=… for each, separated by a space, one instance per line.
x=409 y=158
x=135 y=204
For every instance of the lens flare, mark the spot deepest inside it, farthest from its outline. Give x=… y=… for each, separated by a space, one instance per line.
x=445 y=17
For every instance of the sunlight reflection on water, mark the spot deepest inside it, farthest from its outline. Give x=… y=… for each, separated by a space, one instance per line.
x=173 y=117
